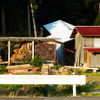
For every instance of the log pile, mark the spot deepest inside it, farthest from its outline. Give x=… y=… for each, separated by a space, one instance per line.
x=45 y=51
x=21 y=54
x=42 y=50
x=0 y=59
x=22 y=69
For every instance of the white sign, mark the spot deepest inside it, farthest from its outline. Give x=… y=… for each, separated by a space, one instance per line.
x=43 y=79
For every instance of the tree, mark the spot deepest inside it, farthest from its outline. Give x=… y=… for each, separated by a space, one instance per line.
x=95 y=4
x=28 y=15
x=3 y=17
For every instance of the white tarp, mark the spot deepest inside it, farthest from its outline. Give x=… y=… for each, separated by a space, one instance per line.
x=60 y=29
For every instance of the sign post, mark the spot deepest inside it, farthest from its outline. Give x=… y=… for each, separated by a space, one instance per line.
x=74 y=90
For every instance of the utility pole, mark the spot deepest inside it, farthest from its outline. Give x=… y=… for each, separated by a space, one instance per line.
x=28 y=18
x=34 y=25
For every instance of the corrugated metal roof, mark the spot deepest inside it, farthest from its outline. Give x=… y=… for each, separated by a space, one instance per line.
x=89 y=30
x=60 y=29
x=93 y=49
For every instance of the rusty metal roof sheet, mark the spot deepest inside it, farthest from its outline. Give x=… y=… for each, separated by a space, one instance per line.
x=89 y=30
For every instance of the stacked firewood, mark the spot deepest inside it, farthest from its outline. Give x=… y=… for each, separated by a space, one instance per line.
x=45 y=51
x=0 y=59
x=21 y=54
x=42 y=50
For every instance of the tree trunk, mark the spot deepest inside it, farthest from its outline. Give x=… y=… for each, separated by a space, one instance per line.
x=34 y=25
x=28 y=15
x=99 y=7
x=3 y=19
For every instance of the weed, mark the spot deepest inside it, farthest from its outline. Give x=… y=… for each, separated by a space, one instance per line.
x=38 y=62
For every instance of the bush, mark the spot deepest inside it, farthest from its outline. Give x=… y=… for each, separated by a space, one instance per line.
x=38 y=62
x=3 y=69
x=57 y=66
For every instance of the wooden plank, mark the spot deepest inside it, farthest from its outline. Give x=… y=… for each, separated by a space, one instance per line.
x=85 y=58
x=19 y=66
x=77 y=57
x=4 y=62
x=8 y=53
x=88 y=59
x=27 y=39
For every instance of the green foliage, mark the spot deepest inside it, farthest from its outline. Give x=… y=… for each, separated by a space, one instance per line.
x=86 y=88
x=76 y=71
x=57 y=66
x=48 y=90
x=3 y=69
x=92 y=74
x=37 y=62
x=97 y=20
x=84 y=12
x=12 y=87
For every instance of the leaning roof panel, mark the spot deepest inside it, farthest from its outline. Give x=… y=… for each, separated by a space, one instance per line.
x=60 y=29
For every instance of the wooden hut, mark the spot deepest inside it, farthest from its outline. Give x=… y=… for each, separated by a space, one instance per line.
x=87 y=46
x=64 y=46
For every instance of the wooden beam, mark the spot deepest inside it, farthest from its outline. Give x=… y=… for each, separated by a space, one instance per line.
x=8 y=53
x=77 y=57
x=88 y=59
x=17 y=39
x=32 y=49
x=85 y=58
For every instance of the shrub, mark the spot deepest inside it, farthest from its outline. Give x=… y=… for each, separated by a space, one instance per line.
x=38 y=62
x=3 y=69
x=57 y=66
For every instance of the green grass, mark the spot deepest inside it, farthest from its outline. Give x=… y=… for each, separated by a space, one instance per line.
x=92 y=74
x=92 y=94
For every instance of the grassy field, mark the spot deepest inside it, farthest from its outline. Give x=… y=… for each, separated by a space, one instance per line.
x=93 y=78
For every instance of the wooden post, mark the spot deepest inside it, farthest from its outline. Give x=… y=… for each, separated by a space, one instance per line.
x=8 y=53
x=88 y=59
x=32 y=49
x=85 y=58
x=77 y=57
